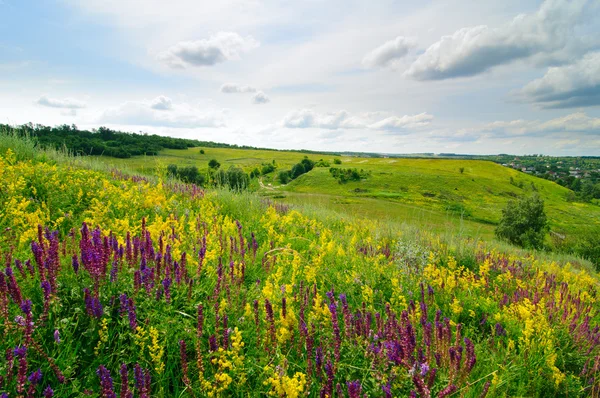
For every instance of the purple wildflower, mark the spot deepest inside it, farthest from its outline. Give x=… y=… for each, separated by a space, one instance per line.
x=35 y=377
x=57 y=336
x=354 y=389
x=48 y=392
x=106 y=383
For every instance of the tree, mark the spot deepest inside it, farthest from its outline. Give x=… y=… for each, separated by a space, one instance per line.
x=214 y=164
x=202 y=152
x=524 y=223
x=284 y=177
x=298 y=170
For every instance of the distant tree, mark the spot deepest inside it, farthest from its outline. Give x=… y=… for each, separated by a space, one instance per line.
x=172 y=170
x=202 y=152
x=267 y=168
x=524 y=223
x=337 y=161
x=284 y=177
x=214 y=164
x=308 y=164
x=298 y=170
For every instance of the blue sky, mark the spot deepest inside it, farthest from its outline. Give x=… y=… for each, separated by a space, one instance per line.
x=388 y=76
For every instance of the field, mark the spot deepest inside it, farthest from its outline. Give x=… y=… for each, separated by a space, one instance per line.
x=430 y=193
x=122 y=284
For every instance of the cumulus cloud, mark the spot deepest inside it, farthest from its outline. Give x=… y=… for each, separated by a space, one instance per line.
x=179 y=116
x=405 y=122
x=66 y=103
x=389 y=52
x=162 y=103
x=218 y=48
x=575 y=123
x=545 y=36
x=260 y=98
x=232 y=88
x=575 y=85
x=308 y=118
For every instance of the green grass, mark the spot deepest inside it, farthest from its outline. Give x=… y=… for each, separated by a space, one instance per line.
x=430 y=193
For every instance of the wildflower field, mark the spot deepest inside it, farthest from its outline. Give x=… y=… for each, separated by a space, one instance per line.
x=118 y=285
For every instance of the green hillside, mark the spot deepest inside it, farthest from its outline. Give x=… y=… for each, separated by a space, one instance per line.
x=431 y=193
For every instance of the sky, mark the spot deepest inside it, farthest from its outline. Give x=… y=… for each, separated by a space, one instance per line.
x=388 y=76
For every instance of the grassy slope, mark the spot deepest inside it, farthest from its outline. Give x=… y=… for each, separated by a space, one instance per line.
x=427 y=192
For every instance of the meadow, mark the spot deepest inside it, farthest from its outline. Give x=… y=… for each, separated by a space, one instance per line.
x=454 y=196
x=121 y=284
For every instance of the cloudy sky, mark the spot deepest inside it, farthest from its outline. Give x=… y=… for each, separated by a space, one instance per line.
x=392 y=76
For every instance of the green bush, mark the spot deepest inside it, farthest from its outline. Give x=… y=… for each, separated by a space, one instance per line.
x=524 y=222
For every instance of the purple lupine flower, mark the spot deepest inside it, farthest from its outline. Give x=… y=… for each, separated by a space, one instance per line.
x=138 y=377
x=131 y=314
x=167 y=286
x=212 y=343
x=57 y=336
x=106 y=382
x=48 y=392
x=271 y=319
x=20 y=351
x=114 y=271
x=485 y=389
x=30 y=267
x=22 y=374
x=447 y=391
x=336 y=327
x=35 y=377
x=387 y=390
x=354 y=389
x=19 y=266
x=421 y=387
x=75 y=264
x=424 y=369
x=470 y=358
x=26 y=306
x=328 y=388
x=125 y=392
x=13 y=287
x=500 y=331
x=124 y=304
x=184 y=362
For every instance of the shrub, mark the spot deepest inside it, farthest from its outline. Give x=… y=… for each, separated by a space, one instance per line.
x=234 y=179
x=214 y=164
x=297 y=170
x=524 y=223
x=337 y=161
x=201 y=151
x=267 y=168
x=284 y=177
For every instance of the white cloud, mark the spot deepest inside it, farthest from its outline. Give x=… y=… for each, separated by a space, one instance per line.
x=162 y=103
x=232 y=88
x=579 y=123
x=389 y=52
x=308 y=118
x=568 y=86
x=66 y=103
x=180 y=116
x=405 y=122
x=546 y=36
x=218 y=48
x=260 y=98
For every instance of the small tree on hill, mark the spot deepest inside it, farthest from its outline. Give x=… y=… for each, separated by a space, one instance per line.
x=524 y=222
x=214 y=164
